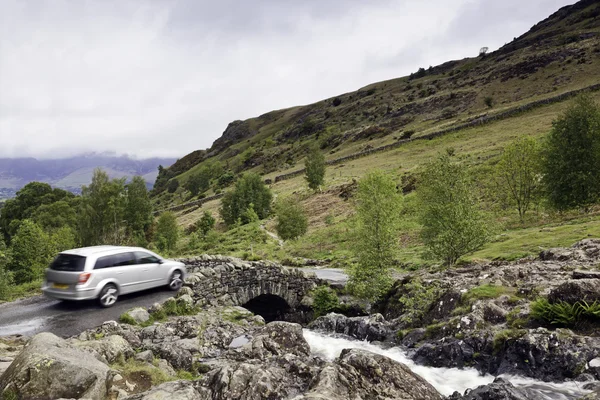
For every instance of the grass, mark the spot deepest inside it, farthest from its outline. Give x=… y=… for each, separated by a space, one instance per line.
x=486 y=292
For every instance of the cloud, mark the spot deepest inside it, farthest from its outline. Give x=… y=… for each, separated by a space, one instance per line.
x=164 y=78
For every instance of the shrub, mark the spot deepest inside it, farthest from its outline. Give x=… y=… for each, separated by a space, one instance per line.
x=337 y=101
x=518 y=174
x=453 y=224
x=173 y=185
x=315 y=168
x=324 y=300
x=407 y=134
x=206 y=223
x=250 y=189
x=167 y=232
x=489 y=102
x=419 y=300
x=376 y=235
x=291 y=219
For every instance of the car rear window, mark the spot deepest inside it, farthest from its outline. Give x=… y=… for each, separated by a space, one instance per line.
x=115 y=260
x=68 y=262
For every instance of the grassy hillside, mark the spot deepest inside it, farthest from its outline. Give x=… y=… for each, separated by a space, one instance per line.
x=558 y=55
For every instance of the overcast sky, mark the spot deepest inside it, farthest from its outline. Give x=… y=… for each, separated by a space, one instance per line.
x=165 y=77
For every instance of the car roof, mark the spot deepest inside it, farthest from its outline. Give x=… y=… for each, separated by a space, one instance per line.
x=101 y=250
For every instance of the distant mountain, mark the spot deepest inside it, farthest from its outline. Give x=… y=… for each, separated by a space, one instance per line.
x=73 y=172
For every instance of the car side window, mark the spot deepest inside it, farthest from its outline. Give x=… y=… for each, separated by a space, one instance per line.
x=145 y=258
x=124 y=259
x=105 y=262
x=115 y=260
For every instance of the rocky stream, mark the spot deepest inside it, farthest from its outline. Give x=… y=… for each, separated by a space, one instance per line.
x=466 y=333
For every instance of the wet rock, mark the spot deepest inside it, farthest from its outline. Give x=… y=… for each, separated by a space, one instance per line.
x=362 y=374
x=576 y=290
x=139 y=314
x=413 y=337
x=500 y=389
x=50 y=368
x=371 y=328
x=442 y=307
x=181 y=390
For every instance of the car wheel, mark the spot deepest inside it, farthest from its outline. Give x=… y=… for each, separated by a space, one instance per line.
x=108 y=295
x=176 y=281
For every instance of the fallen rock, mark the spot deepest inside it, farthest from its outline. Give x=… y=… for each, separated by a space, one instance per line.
x=50 y=368
x=145 y=356
x=139 y=315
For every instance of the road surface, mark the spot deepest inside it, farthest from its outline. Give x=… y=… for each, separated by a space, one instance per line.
x=40 y=314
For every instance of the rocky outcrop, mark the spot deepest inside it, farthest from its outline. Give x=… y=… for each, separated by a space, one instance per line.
x=371 y=328
x=50 y=368
x=360 y=374
x=576 y=290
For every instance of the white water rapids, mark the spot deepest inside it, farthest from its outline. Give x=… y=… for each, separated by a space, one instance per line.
x=445 y=380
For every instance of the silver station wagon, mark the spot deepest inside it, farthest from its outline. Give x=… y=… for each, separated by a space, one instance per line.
x=105 y=272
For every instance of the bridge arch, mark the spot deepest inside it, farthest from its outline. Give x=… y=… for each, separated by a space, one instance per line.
x=226 y=281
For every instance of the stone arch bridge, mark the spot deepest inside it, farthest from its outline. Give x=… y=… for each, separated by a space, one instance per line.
x=266 y=288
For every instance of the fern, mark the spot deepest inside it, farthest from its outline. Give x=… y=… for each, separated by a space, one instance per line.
x=563 y=313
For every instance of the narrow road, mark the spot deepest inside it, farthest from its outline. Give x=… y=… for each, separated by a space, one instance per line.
x=40 y=314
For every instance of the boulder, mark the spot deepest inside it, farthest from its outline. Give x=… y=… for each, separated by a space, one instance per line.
x=494 y=313
x=50 y=368
x=275 y=339
x=359 y=374
x=371 y=328
x=108 y=349
x=139 y=315
x=576 y=290
x=181 y=390
x=145 y=356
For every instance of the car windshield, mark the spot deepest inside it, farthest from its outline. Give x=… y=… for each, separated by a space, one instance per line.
x=68 y=262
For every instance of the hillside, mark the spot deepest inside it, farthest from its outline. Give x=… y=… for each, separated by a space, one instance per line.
x=476 y=105
x=73 y=172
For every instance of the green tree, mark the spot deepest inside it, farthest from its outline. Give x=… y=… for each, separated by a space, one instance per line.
x=199 y=182
x=6 y=279
x=315 y=168
x=291 y=219
x=167 y=232
x=376 y=237
x=138 y=208
x=250 y=189
x=173 y=185
x=62 y=239
x=518 y=174
x=572 y=156
x=31 y=252
x=101 y=211
x=206 y=223
x=24 y=205
x=57 y=215
x=453 y=224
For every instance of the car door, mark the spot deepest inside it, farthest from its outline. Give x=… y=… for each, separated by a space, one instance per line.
x=154 y=274
x=123 y=268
